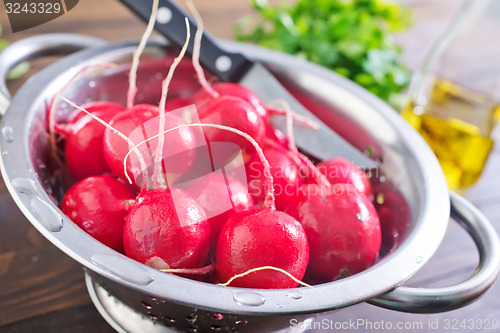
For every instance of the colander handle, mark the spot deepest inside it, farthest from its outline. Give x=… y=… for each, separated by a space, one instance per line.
x=433 y=300
x=35 y=47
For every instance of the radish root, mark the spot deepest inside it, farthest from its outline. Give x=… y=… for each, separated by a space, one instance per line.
x=132 y=89
x=269 y=201
x=114 y=131
x=157 y=178
x=53 y=126
x=279 y=106
x=201 y=271
x=196 y=51
x=318 y=176
x=266 y=268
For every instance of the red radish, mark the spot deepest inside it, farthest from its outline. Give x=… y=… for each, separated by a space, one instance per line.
x=99 y=205
x=285 y=172
x=235 y=113
x=202 y=97
x=92 y=107
x=242 y=229
x=257 y=238
x=339 y=170
x=276 y=135
x=177 y=103
x=51 y=111
x=83 y=150
x=220 y=197
x=394 y=214
x=115 y=149
x=167 y=224
x=342 y=227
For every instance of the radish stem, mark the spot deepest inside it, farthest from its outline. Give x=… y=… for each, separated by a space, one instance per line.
x=264 y=268
x=132 y=89
x=159 y=149
x=196 y=51
x=202 y=270
x=318 y=176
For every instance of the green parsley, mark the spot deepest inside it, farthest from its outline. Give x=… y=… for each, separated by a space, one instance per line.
x=351 y=37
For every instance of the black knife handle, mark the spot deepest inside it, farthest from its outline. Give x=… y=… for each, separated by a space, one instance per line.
x=227 y=66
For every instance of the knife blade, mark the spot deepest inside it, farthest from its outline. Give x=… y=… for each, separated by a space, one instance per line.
x=322 y=144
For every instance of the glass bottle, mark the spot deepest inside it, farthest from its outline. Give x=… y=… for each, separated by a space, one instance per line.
x=454 y=98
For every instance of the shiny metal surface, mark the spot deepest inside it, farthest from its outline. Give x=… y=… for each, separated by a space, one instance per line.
x=408 y=163
x=322 y=143
x=39 y=46
x=431 y=300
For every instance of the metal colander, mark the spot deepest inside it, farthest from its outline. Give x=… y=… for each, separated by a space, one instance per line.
x=188 y=305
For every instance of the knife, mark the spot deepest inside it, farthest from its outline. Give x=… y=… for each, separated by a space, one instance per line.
x=321 y=144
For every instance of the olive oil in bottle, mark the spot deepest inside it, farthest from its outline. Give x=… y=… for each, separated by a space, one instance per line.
x=457 y=124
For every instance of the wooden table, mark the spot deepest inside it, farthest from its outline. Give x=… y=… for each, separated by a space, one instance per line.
x=42 y=289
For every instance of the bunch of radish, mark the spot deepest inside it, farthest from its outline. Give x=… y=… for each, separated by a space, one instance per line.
x=163 y=185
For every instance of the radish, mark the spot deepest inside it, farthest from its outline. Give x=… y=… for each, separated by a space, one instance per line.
x=276 y=135
x=281 y=243
x=220 y=196
x=167 y=224
x=262 y=237
x=177 y=103
x=83 y=149
x=135 y=120
x=235 y=113
x=202 y=97
x=53 y=127
x=394 y=214
x=339 y=170
x=99 y=205
x=285 y=172
x=342 y=227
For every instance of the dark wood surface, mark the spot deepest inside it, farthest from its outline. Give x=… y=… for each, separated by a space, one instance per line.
x=42 y=289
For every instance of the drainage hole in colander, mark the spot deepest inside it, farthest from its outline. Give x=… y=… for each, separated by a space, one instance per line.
x=147 y=305
x=193 y=329
x=169 y=319
x=216 y=327
x=218 y=316
x=191 y=318
x=241 y=322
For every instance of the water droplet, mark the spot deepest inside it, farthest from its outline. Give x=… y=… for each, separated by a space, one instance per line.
x=218 y=316
x=147 y=305
x=123 y=268
x=279 y=306
x=191 y=319
x=92 y=84
x=153 y=317
x=249 y=298
x=8 y=134
x=192 y=329
x=46 y=215
x=294 y=294
x=419 y=260
x=216 y=327
x=25 y=186
x=5 y=153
